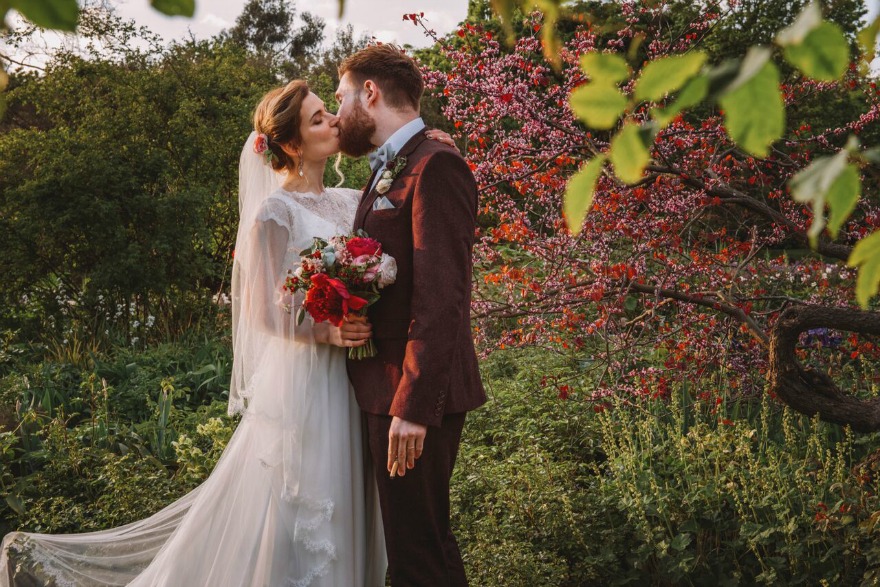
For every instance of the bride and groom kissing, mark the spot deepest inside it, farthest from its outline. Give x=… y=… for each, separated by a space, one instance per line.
x=339 y=468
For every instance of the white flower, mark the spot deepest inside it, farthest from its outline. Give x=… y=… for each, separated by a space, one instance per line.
x=387 y=270
x=387 y=174
x=384 y=185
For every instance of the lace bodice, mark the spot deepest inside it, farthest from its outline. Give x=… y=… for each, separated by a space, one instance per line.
x=307 y=215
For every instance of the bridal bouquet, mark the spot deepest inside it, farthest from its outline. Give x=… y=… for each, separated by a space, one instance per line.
x=341 y=276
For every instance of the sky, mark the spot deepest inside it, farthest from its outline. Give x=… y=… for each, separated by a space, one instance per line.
x=379 y=18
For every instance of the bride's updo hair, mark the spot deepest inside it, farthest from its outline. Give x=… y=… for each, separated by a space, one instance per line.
x=277 y=117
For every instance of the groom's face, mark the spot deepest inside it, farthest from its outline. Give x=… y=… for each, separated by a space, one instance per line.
x=356 y=126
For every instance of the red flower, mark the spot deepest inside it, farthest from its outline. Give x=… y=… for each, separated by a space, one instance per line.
x=363 y=246
x=329 y=299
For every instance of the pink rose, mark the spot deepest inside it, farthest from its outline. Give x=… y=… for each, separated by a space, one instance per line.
x=261 y=144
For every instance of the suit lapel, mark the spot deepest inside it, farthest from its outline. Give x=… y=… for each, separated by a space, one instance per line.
x=362 y=210
x=371 y=196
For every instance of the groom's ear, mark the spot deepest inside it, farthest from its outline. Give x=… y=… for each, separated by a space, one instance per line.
x=371 y=92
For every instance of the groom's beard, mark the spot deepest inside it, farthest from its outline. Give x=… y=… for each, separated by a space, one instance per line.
x=355 y=133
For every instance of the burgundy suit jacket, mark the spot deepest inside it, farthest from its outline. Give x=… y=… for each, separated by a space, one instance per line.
x=426 y=365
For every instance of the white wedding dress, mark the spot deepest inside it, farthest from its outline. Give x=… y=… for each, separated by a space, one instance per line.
x=291 y=502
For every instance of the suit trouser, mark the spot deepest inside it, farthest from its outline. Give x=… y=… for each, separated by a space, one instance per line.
x=422 y=552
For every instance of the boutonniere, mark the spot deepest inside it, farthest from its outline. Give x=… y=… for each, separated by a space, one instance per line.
x=392 y=170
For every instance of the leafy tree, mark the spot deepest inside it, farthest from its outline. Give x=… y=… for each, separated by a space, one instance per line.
x=118 y=177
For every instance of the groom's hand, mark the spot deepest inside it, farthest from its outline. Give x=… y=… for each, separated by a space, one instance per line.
x=405 y=443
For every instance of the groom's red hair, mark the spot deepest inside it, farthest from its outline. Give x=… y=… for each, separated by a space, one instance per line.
x=396 y=74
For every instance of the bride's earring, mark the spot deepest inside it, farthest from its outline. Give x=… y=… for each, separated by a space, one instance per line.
x=299 y=168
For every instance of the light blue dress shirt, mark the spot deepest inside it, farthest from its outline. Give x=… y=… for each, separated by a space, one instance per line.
x=400 y=138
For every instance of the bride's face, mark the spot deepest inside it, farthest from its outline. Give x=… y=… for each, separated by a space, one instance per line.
x=320 y=135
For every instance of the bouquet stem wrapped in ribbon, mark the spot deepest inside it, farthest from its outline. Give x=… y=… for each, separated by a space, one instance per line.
x=342 y=276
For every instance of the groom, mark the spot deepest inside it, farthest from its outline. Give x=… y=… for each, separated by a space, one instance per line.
x=421 y=204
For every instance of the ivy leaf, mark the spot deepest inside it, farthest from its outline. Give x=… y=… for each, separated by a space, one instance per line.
x=605 y=68
x=579 y=193
x=599 y=105
x=754 y=113
x=823 y=55
x=62 y=15
x=867 y=38
x=832 y=181
x=866 y=256
x=692 y=94
x=667 y=74
x=629 y=153
x=175 y=7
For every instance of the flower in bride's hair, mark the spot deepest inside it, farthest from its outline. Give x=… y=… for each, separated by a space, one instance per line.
x=261 y=144
x=261 y=147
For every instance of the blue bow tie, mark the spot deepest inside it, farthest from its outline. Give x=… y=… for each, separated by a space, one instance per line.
x=381 y=156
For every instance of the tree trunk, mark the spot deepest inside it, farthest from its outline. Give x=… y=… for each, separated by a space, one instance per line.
x=810 y=391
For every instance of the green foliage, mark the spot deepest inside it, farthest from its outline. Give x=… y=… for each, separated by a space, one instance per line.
x=175 y=7
x=818 y=48
x=832 y=181
x=667 y=74
x=646 y=492
x=866 y=256
x=579 y=193
x=598 y=104
x=51 y=14
x=629 y=153
x=754 y=113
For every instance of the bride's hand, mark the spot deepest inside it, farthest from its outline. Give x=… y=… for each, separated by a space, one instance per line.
x=439 y=135
x=354 y=331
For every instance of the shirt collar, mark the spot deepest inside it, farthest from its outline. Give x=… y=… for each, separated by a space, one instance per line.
x=402 y=136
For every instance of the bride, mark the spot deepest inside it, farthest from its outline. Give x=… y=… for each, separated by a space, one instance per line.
x=289 y=503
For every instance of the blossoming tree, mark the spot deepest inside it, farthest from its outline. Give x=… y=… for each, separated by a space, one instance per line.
x=693 y=266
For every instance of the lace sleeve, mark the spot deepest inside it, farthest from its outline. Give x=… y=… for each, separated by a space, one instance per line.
x=271 y=307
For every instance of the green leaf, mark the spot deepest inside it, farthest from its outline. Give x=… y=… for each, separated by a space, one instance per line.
x=504 y=9
x=843 y=197
x=667 y=74
x=867 y=38
x=341 y=8
x=549 y=38
x=872 y=155
x=16 y=504
x=175 y=7
x=754 y=113
x=832 y=181
x=607 y=68
x=807 y=21
x=579 y=193
x=599 y=105
x=629 y=153
x=692 y=94
x=823 y=55
x=866 y=256
x=61 y=15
